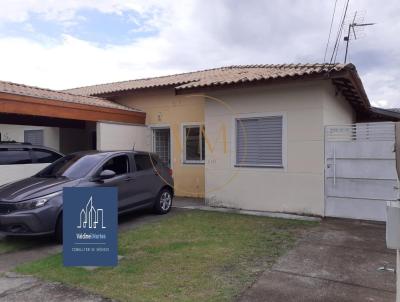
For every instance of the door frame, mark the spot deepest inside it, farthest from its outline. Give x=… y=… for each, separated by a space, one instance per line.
x=171 y=149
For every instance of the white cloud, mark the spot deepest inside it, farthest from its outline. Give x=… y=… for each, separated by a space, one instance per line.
x=198 y=34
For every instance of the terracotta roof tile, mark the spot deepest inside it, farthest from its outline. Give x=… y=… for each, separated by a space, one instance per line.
x=214 y=77
x=19 y=89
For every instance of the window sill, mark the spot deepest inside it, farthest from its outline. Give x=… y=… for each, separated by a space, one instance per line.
x=259 y=166
x=193 y=162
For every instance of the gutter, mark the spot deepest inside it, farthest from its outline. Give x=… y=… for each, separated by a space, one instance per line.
x=386 y=112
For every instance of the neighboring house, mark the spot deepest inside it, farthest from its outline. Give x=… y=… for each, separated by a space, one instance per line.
x=249 y=137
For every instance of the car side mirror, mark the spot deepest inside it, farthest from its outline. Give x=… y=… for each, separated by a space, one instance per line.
x=107 y=174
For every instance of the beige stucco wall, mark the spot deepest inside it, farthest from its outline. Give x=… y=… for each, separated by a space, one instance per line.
x=51 y=135
x=164 y=108
x=299 y=186
x=114 y=136
x=337 y=110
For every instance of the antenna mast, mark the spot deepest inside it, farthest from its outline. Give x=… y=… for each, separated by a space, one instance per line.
x=352 y=29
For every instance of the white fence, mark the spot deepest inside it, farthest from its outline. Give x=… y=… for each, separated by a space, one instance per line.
x=360 y=170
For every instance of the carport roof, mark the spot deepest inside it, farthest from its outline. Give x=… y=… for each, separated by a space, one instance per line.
x=18 y=99
x=24 y=90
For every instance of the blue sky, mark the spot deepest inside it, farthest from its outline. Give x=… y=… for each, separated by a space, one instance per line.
x=88 y=24
x=70 y=43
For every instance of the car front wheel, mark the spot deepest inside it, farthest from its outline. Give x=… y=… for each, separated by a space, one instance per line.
x=163 y=202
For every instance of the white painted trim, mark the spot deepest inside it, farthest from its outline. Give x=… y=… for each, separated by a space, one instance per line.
x=284 y=141
x=162 y=126
x=183 y=141
x=121 y=123
x=171 y=139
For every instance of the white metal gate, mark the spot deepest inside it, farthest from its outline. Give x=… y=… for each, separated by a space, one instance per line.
x=360 y=170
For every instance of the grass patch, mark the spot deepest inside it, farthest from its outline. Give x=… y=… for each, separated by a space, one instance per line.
x=14 y=244
x=191 y=256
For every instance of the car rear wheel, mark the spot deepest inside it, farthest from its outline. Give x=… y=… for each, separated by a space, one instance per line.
x=59 y=230
x=163 y=201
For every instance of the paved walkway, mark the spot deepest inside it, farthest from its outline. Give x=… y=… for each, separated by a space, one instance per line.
x=199 y=204
x=338 y=261
x=15 y=288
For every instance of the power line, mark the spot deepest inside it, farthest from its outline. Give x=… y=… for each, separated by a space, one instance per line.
x=339 y=34
x=330 y=30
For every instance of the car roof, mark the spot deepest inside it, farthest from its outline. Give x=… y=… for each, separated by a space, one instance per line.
x=107 y=153
x=16 y=145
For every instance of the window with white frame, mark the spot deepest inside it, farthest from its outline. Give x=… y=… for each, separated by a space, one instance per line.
x=259 y=141
x=193 y=143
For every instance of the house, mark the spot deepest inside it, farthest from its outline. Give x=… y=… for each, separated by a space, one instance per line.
x=249 y=137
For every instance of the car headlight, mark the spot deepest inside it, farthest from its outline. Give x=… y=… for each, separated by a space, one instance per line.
x=36 y=202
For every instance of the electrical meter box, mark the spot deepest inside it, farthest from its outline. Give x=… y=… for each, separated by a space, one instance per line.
x=393 y=207
x=393 y=225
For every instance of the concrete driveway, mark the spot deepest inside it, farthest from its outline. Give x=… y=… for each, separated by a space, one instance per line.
x=338 y=261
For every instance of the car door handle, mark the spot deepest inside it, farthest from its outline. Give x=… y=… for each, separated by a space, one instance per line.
x=129 y=179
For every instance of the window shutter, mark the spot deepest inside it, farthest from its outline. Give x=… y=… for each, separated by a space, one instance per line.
x=259 y=141
x=35 y=137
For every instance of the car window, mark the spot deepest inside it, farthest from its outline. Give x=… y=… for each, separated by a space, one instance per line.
x=15 y=157
x=45 y=156
x=118 y=164
x=143 y=162
x=72 y=166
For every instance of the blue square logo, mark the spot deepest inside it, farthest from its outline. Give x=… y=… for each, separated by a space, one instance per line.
x=90 y=222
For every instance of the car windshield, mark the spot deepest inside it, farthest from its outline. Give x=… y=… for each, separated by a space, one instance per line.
x=72 y=166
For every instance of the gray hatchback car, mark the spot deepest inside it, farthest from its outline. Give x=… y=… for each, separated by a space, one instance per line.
x=33 y=206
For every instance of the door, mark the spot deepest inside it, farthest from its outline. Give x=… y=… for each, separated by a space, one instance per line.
x=360 y=170
x=162 y=144
x=123 y=179
x=147 y=181
x=35 y=137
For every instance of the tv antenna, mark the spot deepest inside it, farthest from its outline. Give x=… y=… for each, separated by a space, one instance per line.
x=354 y=26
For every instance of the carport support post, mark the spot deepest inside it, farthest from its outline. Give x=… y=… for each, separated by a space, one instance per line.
x=397 y=153
x=397 y=276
